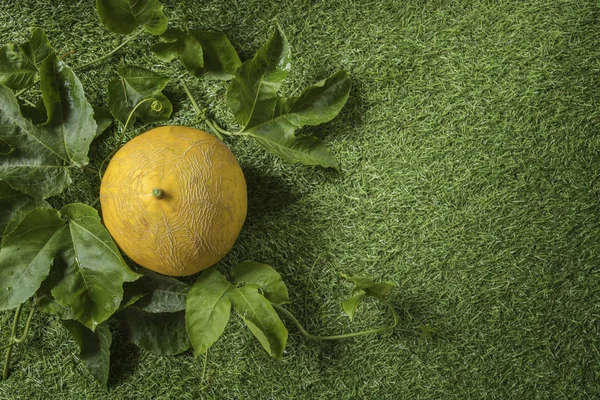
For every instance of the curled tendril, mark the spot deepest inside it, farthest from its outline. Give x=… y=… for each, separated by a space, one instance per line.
x=156 y=106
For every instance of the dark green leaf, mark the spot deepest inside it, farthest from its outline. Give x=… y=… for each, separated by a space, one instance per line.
x=14 y=205
x=261 y=318
x=27 y=254
x=133 y=292
x=123 y=16
x=220 y=58
x=185 y=47
x=208 y=309
x=37 y=114
x=43 y=154
x=252 y=94
x=159 y=333
x=16 y=70
x=38 y=48
x=272 y=121
x=165 y=294
x=268 y=280
x=307 y=150
x=47 y=304
x=350 y=305
x=103 y=120
x=19 y=63
x=93 y=271
x=136 y=84
x=94 y=348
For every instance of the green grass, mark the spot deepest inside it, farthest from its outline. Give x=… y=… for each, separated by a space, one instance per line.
x=470 y=153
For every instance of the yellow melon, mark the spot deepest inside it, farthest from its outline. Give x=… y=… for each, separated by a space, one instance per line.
x=174 y=200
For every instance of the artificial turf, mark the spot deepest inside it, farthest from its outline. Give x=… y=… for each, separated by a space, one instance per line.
x=470 y=166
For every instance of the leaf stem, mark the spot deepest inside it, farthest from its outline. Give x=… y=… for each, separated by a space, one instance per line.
x=113 y=51
x=212 y=124
x=342 y=336
x=13 y=335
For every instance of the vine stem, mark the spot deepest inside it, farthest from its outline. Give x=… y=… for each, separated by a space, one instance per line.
x=342 y=336
x=217 y=130
x=113 y=51
x=104 y=57
x=13 y=336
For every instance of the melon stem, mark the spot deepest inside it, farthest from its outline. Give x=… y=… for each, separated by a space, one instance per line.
x=157 y=193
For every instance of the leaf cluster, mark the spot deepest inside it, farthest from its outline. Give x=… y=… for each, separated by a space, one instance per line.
x=64 y=261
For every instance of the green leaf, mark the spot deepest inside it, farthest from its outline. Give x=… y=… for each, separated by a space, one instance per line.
x=38 y=48
x=220 y=58
x=208 y=309
x=261 y=318
x=185 y=47
x=123 y=16
x=252 y=94
x=27 y=254
x=19 y=63
x=14 y=205
x=350 y=305
x=307 y=150
x=272 y=121
x=134 y=85
x=165 y=294
x=93 y=271
x=16 y=70
x=268 y=280
x=370 y=287
x=47 y=304
x=159 y=333
x=94 y=348
x=103 y=119
x=202 y=53
x=42 y=155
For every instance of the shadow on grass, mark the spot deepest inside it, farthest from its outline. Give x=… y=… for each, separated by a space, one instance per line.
x=125 y=359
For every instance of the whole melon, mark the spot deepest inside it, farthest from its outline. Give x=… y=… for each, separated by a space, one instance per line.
x=174 y=200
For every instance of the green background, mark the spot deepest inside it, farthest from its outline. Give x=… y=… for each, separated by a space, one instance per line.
x=470 y=155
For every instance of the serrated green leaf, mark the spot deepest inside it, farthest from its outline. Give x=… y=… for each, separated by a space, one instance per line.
x=92 y=269
x=165 y=294
x=349 y=305
x=134 y=85
x=252 y=94
x=268 y=280
x=14 y=205
x=261 y=318
x=27 y=255
x=272 y=121
x=94 y=348
x=159 y=333
x=43 y=154
x=123 y=16
x=207 y=310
